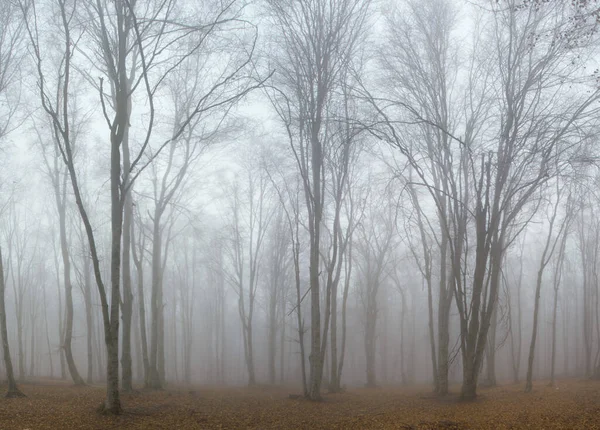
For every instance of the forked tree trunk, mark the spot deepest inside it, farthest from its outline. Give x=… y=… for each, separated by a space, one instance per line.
x=546 y=254
x=66 y=341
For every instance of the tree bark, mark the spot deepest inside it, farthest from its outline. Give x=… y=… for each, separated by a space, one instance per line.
x=156 y=303
x=89 y=319
x=127 y=308
x=66 y=341
x=138 y=261
x=13 y=390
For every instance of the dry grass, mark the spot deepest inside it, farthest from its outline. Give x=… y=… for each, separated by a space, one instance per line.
x=50 y=405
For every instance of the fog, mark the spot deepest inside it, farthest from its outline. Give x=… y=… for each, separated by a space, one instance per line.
x=316 y=194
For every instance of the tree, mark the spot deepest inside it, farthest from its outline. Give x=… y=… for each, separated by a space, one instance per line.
x=420 y=60
x=251 y=215
x=319 y=40
x=125 y=41
x=498 y=170
x=552 y=241
x=13 y=390
x=185 y=87
x=11 y=28
x=58 y=178
x=277 y=277
x=374 y=245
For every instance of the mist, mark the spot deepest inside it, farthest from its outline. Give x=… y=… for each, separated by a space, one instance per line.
x=387 y=207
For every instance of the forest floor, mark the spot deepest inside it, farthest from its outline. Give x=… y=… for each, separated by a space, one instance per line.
x=571 y=404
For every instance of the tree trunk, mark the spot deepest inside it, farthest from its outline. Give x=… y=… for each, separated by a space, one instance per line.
x=13 y=390
x=334 y=382
x=19 y=309
x=316 y=357
x=64 y=246
x=111 y=325
x=491 y=351
x=370 y=337
x=272 y=333
x=156 y=304
x=445 y=301
x=127 y=308
x=138 y=261
x=47 y=333
x=32 y=344
x=89 y=320
x=282 y=344
x=553 y=355
x=515 y=352
x=61 y=352
x=536 y=308
x=299 y=313
x=348 y=274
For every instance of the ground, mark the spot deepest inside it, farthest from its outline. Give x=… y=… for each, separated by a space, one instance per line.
x=571 y=404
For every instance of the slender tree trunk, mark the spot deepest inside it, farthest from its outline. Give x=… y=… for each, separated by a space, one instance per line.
x=491 y=351
x=272 y=333
x=13 y=390
x=403 y=377
x=299 y=315
x=315 y=358
x=370 y=336
x=127 y=308
x=61 y=352
x=32 y=345
x=19 y=308
x=139 y=365
x=553 y=365
x=64 y=246
x=138 y=261
x=250 y=354
x=47 y=333
x=445 y=301
x=89 y=319
x=536 y=309
x=348 y=274
x=282 y=344
x=515 y=351
x=334 y=382
x=156 y=304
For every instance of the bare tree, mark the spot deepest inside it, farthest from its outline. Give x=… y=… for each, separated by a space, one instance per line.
x=535 y=138
x=559 y=263
x=58 y=176
x=277 y=277
x=251 y=215
x=374 y=244
x=553 y=239
x=11 y=28
x=124 y=40
x=13 y=390
x=319 y=40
